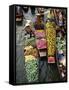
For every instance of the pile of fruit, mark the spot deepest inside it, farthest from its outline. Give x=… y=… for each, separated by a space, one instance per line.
x=51 y=38
x=31 y=63
x=31 y=66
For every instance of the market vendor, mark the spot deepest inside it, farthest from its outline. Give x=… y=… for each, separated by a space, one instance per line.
x=38 y=24
x=29 y=29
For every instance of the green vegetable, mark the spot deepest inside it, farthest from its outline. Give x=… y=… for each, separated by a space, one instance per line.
x=61 y=43
x=32 y=70
x=30 y=41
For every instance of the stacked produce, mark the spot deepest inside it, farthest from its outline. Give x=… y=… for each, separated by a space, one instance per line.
x=31 y=61
x=39 y=33
x=41 y=43
x=51 y=39
x=31 y=65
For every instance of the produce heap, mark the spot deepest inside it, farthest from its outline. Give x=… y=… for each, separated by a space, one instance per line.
x=51 y=39
x=31 y=61
x=31 y=65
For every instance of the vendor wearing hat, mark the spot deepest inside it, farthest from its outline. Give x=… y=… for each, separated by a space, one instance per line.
x=29 y=28
x=39 y=24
